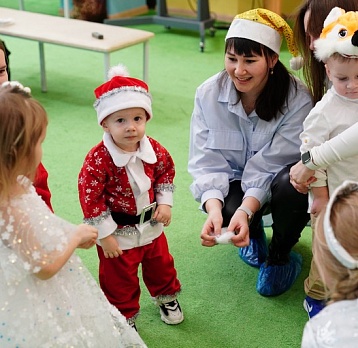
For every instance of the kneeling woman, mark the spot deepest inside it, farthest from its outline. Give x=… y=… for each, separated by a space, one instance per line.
x=244 y=137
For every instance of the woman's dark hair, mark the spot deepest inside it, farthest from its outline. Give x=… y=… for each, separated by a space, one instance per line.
x=274 y=96
x=6 y=53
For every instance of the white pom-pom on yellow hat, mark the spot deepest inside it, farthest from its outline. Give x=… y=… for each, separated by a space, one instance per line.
x=267 y=28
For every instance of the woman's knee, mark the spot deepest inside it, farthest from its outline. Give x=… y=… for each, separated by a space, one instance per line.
x=282 y=190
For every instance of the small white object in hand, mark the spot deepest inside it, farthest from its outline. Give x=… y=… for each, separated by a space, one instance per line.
x=225 y=236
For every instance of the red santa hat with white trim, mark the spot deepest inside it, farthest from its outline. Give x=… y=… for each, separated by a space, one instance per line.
x=121 y=92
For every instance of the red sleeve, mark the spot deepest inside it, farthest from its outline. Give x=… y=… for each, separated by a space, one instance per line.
x=92 y=180
x=41 y=185
x=164 y=168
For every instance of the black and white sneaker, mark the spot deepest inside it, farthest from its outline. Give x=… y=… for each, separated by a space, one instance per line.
x=171 y=312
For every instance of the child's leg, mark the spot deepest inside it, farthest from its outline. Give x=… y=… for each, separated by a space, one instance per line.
x=314 y=286
x=160 y=277
x=159 y=273
x=119 y=280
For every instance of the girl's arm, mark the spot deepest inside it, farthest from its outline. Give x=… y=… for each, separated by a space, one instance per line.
x=84 y=234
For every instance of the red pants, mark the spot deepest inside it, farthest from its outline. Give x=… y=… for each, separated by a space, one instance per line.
x=119 y=280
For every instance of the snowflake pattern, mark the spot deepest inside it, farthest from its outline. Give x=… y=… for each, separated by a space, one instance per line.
x=104 y=187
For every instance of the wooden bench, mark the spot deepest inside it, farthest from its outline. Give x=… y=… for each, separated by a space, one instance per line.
x=73 y=33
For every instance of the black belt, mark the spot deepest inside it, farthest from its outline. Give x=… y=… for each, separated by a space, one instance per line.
x=124 y=219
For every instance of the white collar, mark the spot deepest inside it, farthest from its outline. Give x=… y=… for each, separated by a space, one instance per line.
x=120 y=158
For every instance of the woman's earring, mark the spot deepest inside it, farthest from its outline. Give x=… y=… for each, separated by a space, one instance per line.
x=271 y=71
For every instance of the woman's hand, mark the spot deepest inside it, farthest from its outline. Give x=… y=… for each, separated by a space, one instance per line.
x=300 y=174
x=240 y=226
x=301 y=188
x=213 y=224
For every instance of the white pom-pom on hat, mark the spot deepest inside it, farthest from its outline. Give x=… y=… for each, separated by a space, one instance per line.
x=117 y=70
x=296 y=63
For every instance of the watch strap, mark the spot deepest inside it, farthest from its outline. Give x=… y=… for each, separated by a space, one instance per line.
x=249 y=213
x=311 y=165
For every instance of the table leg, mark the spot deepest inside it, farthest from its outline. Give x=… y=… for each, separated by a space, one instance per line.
x=66 y=8
x=42 y=67
x=106 y=66
x=145 y=60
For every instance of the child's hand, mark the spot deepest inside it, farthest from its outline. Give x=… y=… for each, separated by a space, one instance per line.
x=87 y=236
x=318 y=204
x=110 y=247
x=163 y=214
x=320 y=199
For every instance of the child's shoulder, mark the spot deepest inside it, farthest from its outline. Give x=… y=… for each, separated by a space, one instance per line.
x=328 y=101
x=99 y=148
x=152 y=140
x=159 y=149
x=156 y=144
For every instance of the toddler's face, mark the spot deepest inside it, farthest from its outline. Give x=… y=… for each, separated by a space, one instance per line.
x=127 y=127
x=344 y=76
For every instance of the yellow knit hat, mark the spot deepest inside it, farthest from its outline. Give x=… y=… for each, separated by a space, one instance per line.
x=265 y=27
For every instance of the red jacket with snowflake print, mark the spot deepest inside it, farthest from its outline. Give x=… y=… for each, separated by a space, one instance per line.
x=105 y=188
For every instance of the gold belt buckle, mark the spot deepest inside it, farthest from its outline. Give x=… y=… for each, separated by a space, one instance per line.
x=147 y=208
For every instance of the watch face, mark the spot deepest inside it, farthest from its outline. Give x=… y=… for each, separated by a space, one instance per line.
x=306 y=157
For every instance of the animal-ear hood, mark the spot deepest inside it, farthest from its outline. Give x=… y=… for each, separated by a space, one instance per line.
x=339 y=35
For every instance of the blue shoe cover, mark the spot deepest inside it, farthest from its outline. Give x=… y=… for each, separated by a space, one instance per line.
x=274 y=280
x=255 y=254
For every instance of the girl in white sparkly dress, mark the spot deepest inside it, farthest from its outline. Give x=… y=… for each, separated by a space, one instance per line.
x=335 y=248
x=47 y=297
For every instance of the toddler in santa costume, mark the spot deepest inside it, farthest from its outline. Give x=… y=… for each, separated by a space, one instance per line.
x=126 y=192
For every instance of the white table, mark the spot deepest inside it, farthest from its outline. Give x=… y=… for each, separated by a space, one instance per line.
x=73 y=33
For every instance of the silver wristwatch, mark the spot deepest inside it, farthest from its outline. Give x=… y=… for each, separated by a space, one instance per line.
x=250 y=214
x=307 y=160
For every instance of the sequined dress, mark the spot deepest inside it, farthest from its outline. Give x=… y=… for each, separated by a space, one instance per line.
x=335 y=326
x=67 y=310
